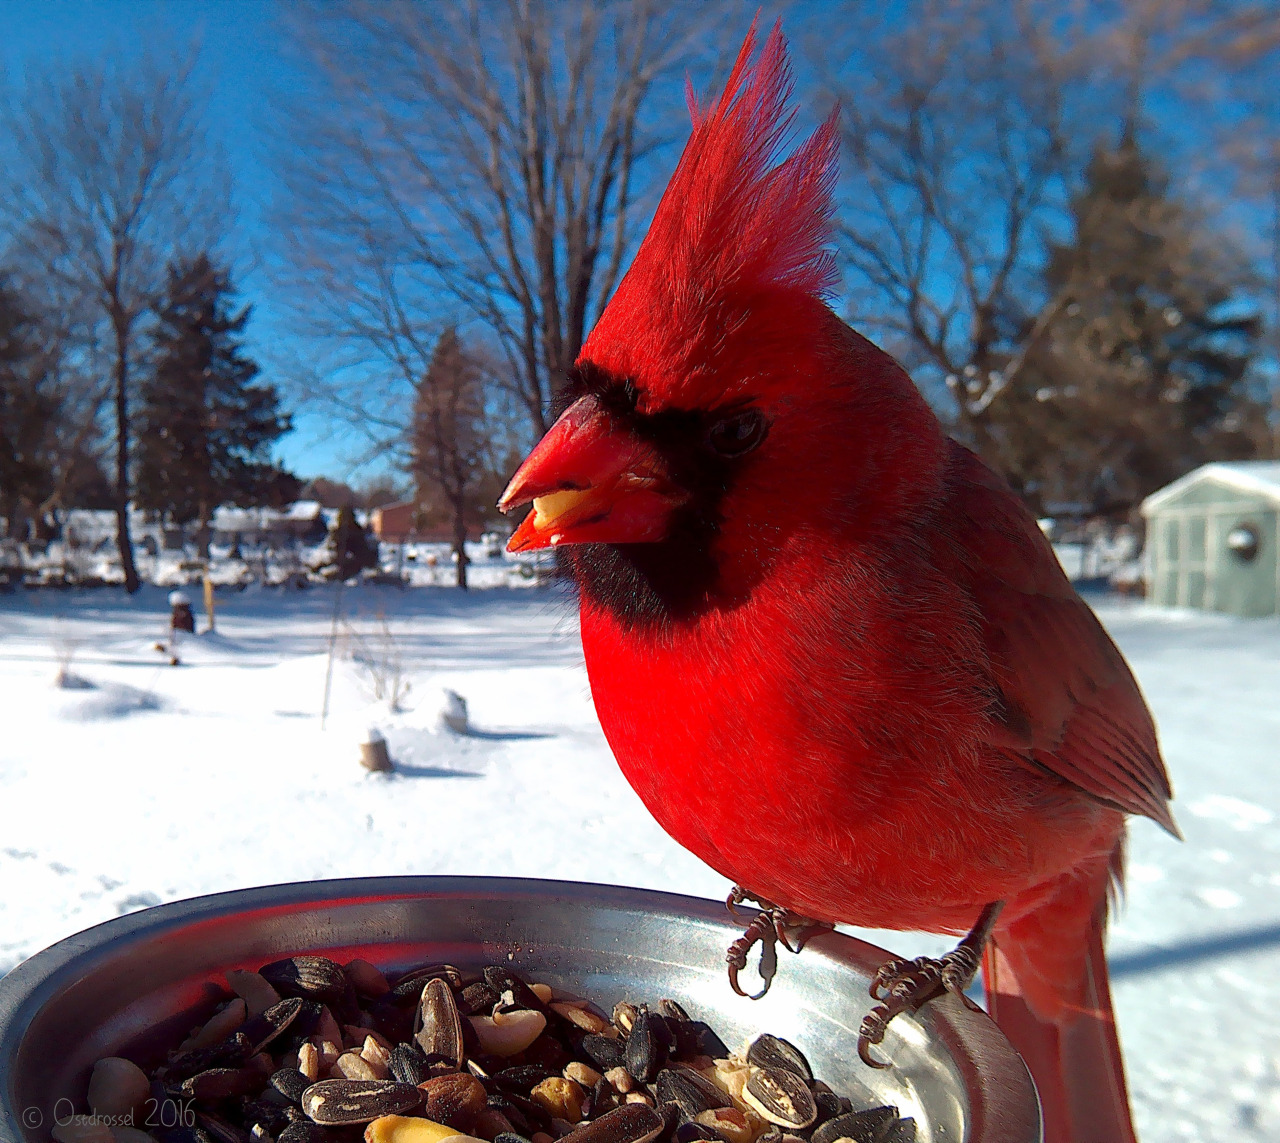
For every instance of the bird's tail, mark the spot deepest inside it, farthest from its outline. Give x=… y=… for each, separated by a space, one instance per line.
x=1055 y=1007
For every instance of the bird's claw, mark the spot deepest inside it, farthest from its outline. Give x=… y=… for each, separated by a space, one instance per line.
x=771 y=926
x=904 y=985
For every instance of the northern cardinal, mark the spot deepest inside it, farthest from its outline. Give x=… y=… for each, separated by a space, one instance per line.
x=832 y=652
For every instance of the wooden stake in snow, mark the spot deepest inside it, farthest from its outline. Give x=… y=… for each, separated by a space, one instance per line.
x=374 y=754
x=208 y=599
x=333 y=639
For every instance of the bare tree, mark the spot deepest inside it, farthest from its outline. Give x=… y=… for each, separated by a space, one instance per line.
x=957 y=156
x=109 y=172
x=455 y=451
x=487 y=162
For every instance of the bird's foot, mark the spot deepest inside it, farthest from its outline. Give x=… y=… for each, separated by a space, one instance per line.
x=770 y=926
x=904 y=985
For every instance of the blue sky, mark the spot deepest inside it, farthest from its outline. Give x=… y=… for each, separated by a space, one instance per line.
x=243 y=62
x=241 y=66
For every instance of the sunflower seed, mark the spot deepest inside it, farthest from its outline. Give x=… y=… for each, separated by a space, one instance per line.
x=691 y=1132
x=262 y=1029
x=302 y=1132
x=290 y=1083
x=440 y=1032
x=503 y=980
x=605 y=1053
x=828 y=1105
x=521 y=1079
x=904 y=1131
x=633 y=1123
x=408 y=1064
x=231 y=1051
x=408 y=988
x=690 y=1092
x=646 y=1049
x=340 y=1101
x=774 y=1052
x=869 y=1126
x=309 y=977
x=782 y=1097
x=222 y=1083
x=219 y=1129
x=477 y=999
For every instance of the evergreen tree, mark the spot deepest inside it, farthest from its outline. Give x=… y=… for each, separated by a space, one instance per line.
x=1142 y=371
x=450 y=442
x=205 y=427
x=28 y=411
x=349 y=550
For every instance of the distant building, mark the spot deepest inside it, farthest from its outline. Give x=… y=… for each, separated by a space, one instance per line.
x=394 y=523
x=1212 y=539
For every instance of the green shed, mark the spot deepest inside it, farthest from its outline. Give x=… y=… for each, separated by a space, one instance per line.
x=1212 y=539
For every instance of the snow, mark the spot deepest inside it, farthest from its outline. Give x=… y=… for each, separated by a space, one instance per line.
x=1260 y=476
x=135 y=782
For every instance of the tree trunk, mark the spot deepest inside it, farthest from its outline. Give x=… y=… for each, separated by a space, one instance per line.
x=204 y=534
x=124 y=540
x=460 y=542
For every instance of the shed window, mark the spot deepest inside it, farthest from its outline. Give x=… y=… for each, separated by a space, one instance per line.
x=1195 y=538
x=1171 y=540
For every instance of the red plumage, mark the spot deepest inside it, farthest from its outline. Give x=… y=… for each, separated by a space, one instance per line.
x=832 y=652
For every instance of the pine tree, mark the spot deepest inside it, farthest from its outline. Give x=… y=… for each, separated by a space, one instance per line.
x=449 y=440
x=28 y=411
x=1142 y=373
x=349 y=550
x=205 y=428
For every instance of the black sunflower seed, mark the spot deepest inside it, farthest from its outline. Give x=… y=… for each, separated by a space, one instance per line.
x=260 y=1030
x=290 y=1083
x=692 y=1132
x=904 y=1131
x=828 y=1105
x=303 y=1132
x=270 y=1116
x=690 y=1092
x=521 y=1079
x=477 y=999
x=774 y=1052
x=504 y=980
x=867 y=1126
x=604 y=1053
x=782 y=1097
x=222 y=1083
x=603 y=1097
x=309 y=977
x=219 y=1129
x=631 y=1123
x=709 y=1042
x=230 y=1051
x=408 y=1064
x=408 y=988
x=342 y=1101
x=646 y=1049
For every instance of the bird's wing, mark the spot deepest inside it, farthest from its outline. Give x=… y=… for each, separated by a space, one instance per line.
x=1069 y=701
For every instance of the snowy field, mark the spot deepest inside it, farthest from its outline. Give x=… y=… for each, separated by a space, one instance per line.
x=141 y=783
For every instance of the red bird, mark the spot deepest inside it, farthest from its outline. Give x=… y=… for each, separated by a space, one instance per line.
x=832 y=652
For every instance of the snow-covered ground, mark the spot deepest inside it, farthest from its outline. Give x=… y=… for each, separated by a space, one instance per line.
x=140 y=783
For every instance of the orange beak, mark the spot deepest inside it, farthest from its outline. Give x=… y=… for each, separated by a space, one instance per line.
x=591 y=480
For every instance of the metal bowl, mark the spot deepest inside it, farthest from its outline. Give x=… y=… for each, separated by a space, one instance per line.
x=140 y=981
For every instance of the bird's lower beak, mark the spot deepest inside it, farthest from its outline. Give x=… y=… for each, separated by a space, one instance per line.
x=591 y=480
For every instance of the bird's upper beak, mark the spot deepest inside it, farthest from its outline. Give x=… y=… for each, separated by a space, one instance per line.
x=591 y=480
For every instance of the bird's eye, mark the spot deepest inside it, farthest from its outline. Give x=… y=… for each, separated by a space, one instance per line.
x=738 y=434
